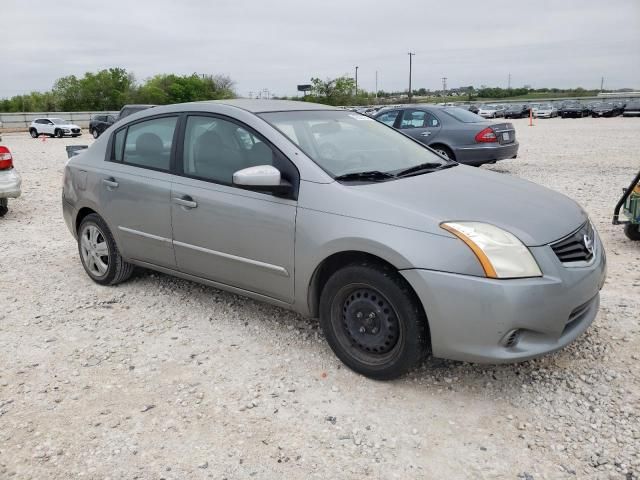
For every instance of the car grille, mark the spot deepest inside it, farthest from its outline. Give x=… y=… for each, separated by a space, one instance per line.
x=577 y=247
x=75 y=130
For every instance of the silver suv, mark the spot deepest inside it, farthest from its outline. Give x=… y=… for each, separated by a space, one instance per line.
x=398 y=250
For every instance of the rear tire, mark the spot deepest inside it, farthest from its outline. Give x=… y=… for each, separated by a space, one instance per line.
x=373 y=321
x=444 y=151
x=99 y=253
x=33 y=132
x=4 y=206
x=632 y=231
x=95 y=133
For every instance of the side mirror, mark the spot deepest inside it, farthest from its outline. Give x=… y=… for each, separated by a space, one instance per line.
x=263 y=178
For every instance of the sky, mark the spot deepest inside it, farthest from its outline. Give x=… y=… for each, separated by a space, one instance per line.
x=278 y=44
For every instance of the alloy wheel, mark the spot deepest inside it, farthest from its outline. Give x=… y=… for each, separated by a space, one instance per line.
x=94 y=250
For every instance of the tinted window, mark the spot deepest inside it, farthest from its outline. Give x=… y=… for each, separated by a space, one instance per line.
x=464 y=116
x=118 y=143
x=418 y=119
x=388 y=118
x=148 y=144
x=214 y=149
x=100 y=118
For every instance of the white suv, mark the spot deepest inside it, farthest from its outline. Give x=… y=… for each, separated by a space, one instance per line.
x=54 y=127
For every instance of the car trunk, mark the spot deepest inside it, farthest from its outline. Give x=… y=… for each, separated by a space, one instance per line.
x=505 y=132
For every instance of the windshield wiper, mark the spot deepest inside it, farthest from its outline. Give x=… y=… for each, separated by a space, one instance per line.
x=424 y=167
x=368 y=175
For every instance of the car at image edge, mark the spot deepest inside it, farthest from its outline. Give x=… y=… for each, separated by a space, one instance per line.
x=398 y=251
x=10 y=181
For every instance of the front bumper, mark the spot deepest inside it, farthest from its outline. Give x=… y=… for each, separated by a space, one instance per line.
x=10 y=183
x=478 y=154
x=472 y=318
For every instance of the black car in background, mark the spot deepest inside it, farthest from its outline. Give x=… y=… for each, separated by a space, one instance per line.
x=632 y=109
x=574 y=110
x=99 y=123
x=517 y=111
x=133 y=108
x=606 y=110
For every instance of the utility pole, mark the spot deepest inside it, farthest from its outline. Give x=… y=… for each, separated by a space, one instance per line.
x=601 y=84
x=411 y=54
x=356 y=80
x=509 y=83
x=444 y=87
x=251 y=94
x=376 y=85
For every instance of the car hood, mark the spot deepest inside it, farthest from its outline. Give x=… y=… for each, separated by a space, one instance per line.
x=535 y=214
x=66 y=125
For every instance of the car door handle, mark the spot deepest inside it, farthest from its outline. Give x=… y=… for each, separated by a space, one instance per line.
x=110 y=182
x=425 y=134
x=185 y=201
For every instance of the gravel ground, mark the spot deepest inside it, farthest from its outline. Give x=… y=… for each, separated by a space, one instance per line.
x=164 y=378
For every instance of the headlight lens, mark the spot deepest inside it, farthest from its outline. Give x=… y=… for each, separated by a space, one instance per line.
x=499 y=252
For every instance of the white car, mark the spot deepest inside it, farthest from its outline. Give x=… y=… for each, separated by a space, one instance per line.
x=490 y=111
x=53 y=127
x=10 y=181
x=545 y=111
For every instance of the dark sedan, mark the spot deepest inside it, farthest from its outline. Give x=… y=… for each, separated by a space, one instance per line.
x=99 y=123
x=517 y=111
x=632 y=109
x=606 y=110
x=574 y=110
x=454 y=133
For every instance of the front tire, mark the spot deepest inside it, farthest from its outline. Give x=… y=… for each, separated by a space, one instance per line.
x=632 y=231
x=34 y=133
x=95 y=133
x=373 y=321
x=4 y=206
x=58 y=134
x=99 y=253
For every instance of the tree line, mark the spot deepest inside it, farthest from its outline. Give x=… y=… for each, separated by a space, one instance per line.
x=112 y=88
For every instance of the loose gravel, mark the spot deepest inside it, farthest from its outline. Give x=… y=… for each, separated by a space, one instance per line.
x=164 y=378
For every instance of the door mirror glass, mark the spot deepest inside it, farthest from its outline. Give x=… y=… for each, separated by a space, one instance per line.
x=265 y=178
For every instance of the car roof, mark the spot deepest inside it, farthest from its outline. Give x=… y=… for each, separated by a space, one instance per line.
x=262 y=106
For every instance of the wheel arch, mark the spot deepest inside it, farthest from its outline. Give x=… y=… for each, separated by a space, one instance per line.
x=440 y=143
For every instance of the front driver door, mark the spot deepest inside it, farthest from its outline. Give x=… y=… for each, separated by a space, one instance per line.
x=421 y=125
x=223 y=233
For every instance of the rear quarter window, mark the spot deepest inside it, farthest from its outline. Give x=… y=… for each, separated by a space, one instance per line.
x=462 y=115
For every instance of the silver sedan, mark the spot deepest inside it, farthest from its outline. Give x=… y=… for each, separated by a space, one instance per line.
x=399 y=251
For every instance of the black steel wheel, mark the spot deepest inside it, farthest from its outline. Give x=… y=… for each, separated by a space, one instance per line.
x=373 y=321
x=58 y=133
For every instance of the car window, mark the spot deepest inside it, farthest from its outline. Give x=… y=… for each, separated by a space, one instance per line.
x=111 y=118
x=461 y=115
x=214 y=149
x=118 y=143
x=418 y=119
x=389 y=118
x=148 y=144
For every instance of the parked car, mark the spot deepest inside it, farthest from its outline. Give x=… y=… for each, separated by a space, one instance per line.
x=546 y=110
x=10 y=180
x=606 y=109
x=133 y=108
x=632 y=109
x=99 y=123
x=397 y=250
x=454 y=133
x=516 y=111
x=54 y=127
x=490 y=111
x=574 y=110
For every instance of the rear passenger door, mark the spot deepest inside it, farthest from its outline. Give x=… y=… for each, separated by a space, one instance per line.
x=224 y=233
x=421 y=125
x=135 y=187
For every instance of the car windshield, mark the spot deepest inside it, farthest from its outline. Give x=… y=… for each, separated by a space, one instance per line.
x=343 y=143
x=58 y=121
x=545 y=106
x=515 y=107
x=464 y=116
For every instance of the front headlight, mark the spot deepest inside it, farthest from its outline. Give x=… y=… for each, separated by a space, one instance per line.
x=499 y=252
